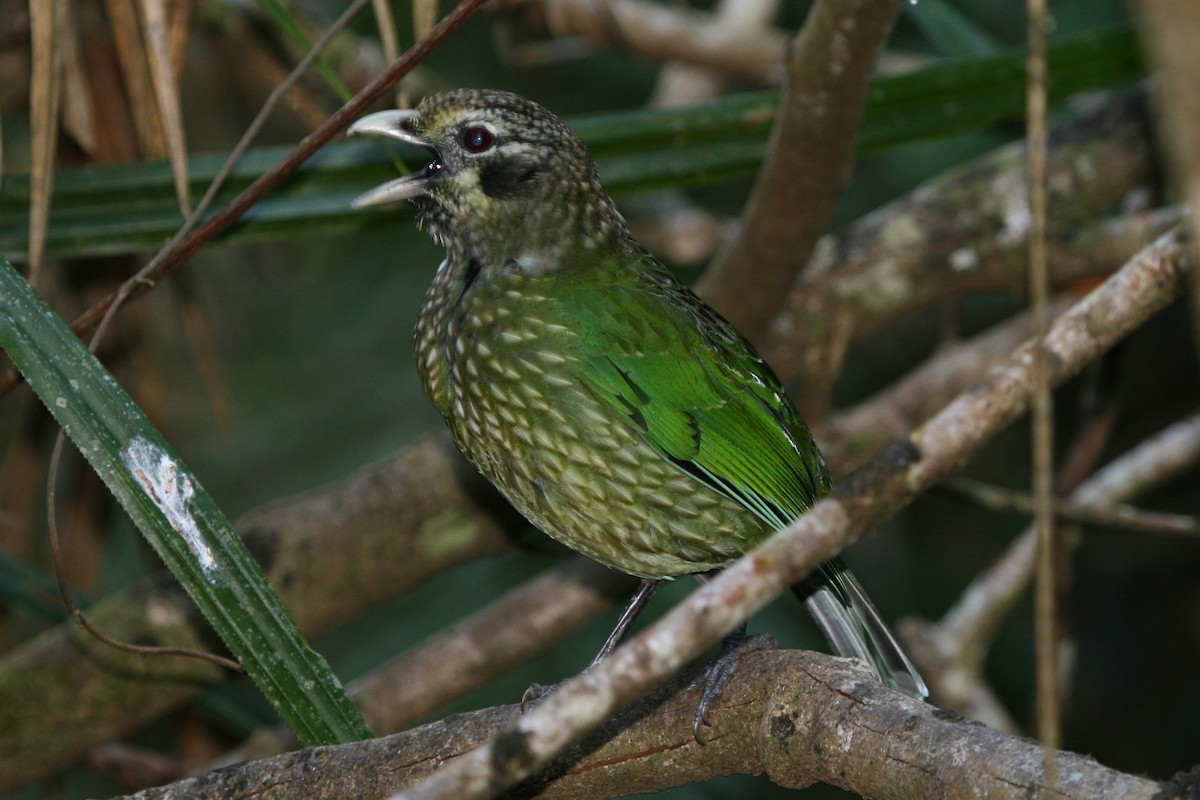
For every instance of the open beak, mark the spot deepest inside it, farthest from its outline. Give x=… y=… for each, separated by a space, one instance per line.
x=393 y=124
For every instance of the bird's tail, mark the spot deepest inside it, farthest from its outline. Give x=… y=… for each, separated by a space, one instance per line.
x=854 y=628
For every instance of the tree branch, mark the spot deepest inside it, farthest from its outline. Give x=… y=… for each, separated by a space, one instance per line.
x=808 y=160
x=799 y=717
x=850 y=436
x=1110 y=514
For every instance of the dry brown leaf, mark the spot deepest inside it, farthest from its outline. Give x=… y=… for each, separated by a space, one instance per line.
x=78 y=117
x=116 y=139
x=47 y=23
x=126 y=32
x=385 y=21
x=424 y=16
x=178 y=14
x=156 y=39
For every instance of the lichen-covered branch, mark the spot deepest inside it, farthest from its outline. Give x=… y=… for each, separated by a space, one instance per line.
x=852 y=435
x=798 y=717
x=961 y=232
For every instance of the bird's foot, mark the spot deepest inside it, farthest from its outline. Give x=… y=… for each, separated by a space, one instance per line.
x=717 y=673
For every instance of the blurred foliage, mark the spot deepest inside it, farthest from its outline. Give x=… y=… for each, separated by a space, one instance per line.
x=275 y=366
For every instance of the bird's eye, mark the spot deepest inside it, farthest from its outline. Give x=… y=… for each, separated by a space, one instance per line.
x=477 y=139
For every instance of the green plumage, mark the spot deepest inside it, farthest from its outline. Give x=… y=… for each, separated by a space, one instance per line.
x=617 y=411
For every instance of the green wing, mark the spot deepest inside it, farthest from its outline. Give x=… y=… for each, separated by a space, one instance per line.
x=697 y=392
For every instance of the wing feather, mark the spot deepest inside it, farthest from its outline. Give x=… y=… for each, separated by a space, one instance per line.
x=696 y=392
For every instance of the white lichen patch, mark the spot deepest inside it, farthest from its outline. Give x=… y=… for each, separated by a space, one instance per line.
x=964 y=259
x=845 y=736
x=1014 y=208
x=171 y=490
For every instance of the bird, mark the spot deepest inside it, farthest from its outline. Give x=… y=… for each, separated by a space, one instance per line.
x=614 y=408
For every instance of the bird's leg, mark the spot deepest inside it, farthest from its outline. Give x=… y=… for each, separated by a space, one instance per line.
x=633 y=610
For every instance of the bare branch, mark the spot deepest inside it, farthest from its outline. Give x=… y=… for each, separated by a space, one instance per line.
x=934 y=451
x=1115 y=515
x=853 y=435
x=808 y=160
x=798 y=717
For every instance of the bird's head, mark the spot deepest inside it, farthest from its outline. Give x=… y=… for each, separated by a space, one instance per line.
x=504 y=170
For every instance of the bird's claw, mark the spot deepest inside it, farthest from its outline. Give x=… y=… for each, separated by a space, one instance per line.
x=716 y=674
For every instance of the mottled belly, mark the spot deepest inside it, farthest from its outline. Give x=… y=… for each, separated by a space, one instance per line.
x=574 y=469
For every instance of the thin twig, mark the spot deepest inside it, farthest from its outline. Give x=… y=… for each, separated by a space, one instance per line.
x=1045 y=602
x=951 y=652
x=69 y=602
x=148 y=275
x=1111 y=515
